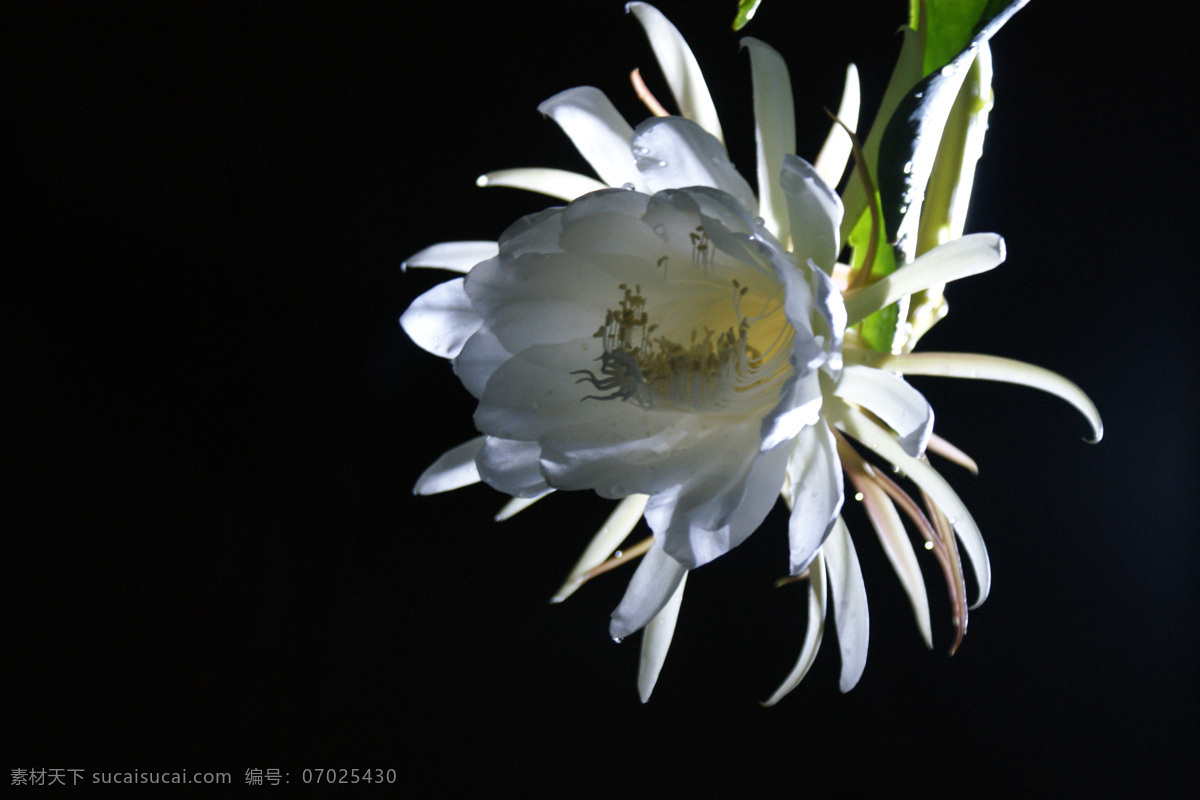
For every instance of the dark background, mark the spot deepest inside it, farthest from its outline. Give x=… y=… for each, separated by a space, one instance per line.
x=215 y=559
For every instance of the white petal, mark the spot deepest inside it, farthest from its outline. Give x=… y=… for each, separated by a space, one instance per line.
x=479 y=359
x=988 y=368
x=656 y=640
x=442 y=319
x=815 y=212
x=454 y=469
x=812 y=633
x=816 y=494
x=652 y=585
x=717 y=507
x=830 y=315
x=456 y=256
x=515 y=506
x=619 y=524
x=849 y=603
x=970 y=255
x=774 y=131
x=835 y=153
x=598 y=131
x=511 y=467
x=888 y=397
x=560 y=183
x=679 y=67
x=673 y=153
x=870 y=434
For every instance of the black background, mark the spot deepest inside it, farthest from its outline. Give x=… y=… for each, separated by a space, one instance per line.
x=215 y=559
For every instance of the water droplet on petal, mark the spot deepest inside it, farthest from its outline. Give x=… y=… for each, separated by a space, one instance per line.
x=662 y=163
x=908 y=168
x=629 y=187
x=618 y=554
x=928 y=545
x=618 y=639
x=660 y=229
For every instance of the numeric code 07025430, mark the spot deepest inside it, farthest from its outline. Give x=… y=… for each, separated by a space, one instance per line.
x=348 y=776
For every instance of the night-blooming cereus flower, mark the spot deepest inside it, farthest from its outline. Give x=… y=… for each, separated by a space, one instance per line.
x=673 y=341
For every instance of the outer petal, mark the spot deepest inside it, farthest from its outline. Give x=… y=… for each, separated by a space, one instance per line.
x=652 y=585
x=864 y=430
x=558 y=183
x=673 y=153
x=620 y=522
x=849 y=604
x=679 y=67
x=656 y=640
x=442 y=319
x=812 y=633
x=774 y=130
x=815 y=211
x=888 y=397
x=456 y=256
x=454 y=469
x=989 y=368
x=970 y=255
x=815 y=493
x=835 y=153
x=598 y=131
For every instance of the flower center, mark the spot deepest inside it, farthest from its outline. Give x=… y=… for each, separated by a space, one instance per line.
x=706 y=368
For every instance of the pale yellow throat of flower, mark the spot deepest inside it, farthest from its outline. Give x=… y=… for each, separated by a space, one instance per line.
x=698 y=352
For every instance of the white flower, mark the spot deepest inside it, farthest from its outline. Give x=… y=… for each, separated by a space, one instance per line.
x=683 y=346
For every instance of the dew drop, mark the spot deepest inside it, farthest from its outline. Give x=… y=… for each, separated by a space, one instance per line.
x=908 y=168
x=858 y=496
x=619 y=554
x=919 y=95
x=629 y=187
x=928 y=545
x=660 y=229
x=618 y=639
x=662 y=163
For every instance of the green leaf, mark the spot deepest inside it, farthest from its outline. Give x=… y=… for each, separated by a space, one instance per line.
x=910 y=142
x=745 y=13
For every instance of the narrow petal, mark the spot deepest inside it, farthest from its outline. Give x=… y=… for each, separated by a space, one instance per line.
x=656 y=640
x=560 y=183
x=815 y=494
x=619 y=524
x=774 y=131
x=887 y=396
x=454 y=469
x=952 y=453
x=988 y=368
x=598 y=131
x=515 y=506
x=892 y=535
x=970 y=255
x=673 y=152
x=442 y=319
x=815 y=209
x=812 y=632
x=652 y=585
x=870 y=434
x=849 y=603
x=456 y=256
x=835 y=153
x=679 y=67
